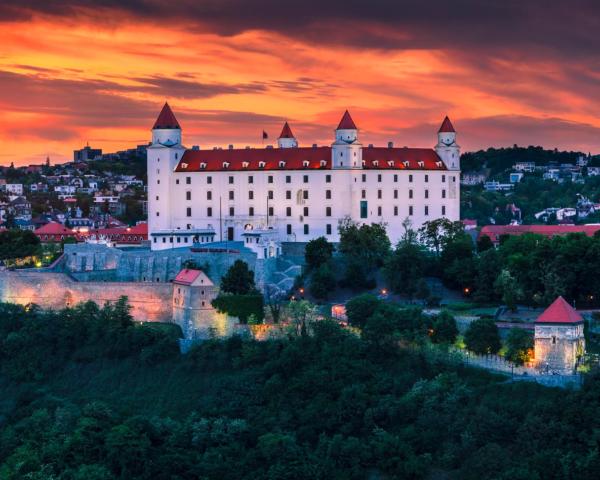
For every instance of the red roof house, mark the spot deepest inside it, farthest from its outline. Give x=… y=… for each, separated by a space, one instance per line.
x=54 y=232
x=191 y=277
x=496 y=231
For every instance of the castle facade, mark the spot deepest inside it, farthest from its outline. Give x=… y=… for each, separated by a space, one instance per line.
x=263 y=196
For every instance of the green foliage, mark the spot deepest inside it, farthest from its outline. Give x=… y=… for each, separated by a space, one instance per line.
x=322 y=282
x=18 y=244
x=364 y=249
x=405 y=267
x=444 y=329
x=238 y=280
x=519 y=343
x=509 y=289
x=318 y=252
x=359 y=309
x=482 y=337
x=241 y=306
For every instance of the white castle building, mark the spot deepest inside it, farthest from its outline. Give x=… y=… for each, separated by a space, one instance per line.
x=292 y=193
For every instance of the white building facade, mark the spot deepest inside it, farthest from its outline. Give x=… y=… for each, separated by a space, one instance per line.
x=200 y=196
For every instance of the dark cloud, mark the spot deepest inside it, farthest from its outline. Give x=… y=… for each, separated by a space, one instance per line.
x=568 y=27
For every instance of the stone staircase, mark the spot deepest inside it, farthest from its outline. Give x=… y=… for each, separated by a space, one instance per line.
x=282 y=280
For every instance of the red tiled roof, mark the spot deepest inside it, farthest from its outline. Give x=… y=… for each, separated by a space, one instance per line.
x=129 y=235
x=381 y=158
x=286 y=132
x=446 y=126
x=495 y=231
x=166 y=118
x=187 y=276
x=346 y=123
x=54 y=228
x=560 y=312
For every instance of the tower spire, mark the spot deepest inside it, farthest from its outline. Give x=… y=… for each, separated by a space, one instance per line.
x=166 y=119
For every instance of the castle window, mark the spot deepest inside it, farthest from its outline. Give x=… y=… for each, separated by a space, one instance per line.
x=553 y=340
x=288 y=179
x=305 y=178
x=395 y=211
x=209 y=180
x=158 y=182
x=328 y=228
x=443 y=193
x=304 y=194
x=209 y=195
x=245 y=164
x=323 y=163
x=390 y=163
x=305 y=229
x=289 y=229
x=288 y=194
x=231 y=180
x=261 y=164
x=306 y=211
x=406 y=163
x=426 y=178
x=410 y=178
x=177 y=182
x=226 y=165
x=250 y=195
x=379 y=194
x=379 y=177
x=410 y=210
x=327 y=178
x=158 y=214
x=363 y=194
x=379 y=211
x=395 y=193
x=375 y=163
x=271 y=211
x=426 y=210
x=426 y=193
x=270 y=179
x=410 y=193
x=157 y=197
x=270 y=194
x=251 y=212
x=305 y=163
x=231 y=211
x=188 y=195
x=250 y=179
x=443 y=209
x=281 y=164
x=209 y=212
x=364 y=177
x=231 y=194
x=328 y=211
x=202 y=165
x=288 y=211
x=438 y=164
x=189 y=214
x=396 y=178
x=443 y=178
x=328 y=194
x=188 y=180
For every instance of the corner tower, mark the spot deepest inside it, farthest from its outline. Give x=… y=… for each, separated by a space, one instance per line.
x=286 y=138
x=346 y=151
x=163 y=155
x=447 y=148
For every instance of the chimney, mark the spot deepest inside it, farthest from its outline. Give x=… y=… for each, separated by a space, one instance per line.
x=390 y=144
x=230 y=147
x=314 y=145
x=370 y=145
x=247 y=147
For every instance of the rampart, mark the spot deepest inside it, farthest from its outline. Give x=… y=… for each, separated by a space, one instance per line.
x=151 y=302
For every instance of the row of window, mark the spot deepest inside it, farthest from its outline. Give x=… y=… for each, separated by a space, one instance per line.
x=288 y=194
x=288 y=211
x=305 y=178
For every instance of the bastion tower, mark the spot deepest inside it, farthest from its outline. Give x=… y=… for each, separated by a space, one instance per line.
x=559 y=339
x=163 y=156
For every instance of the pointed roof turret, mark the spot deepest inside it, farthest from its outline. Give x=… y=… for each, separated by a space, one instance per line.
x=446 y=126
x=346 y=123
x=286 y=132
x=560 y=312
x=166 y=119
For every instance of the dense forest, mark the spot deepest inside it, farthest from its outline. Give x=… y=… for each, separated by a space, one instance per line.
x=86 y=394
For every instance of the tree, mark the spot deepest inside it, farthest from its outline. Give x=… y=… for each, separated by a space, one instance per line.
x=322 y=282
x=359 y=309
x=482 y=336
x=519 y=344
x=318 y=251
x=405 y=268
x=444 y=329
x=509 y=289
x=302 y=314
x=364 y=249
x=274 y=298
x=239 y=279
x=436 y=234
x=484 y=243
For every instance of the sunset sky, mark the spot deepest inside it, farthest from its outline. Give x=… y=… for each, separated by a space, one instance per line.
x=525 y=72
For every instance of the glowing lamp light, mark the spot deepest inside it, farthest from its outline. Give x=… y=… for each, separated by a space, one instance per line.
x=466 y=290
x=301 y=291
x=384 y=291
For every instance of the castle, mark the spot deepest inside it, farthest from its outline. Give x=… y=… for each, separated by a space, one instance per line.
x=265 y=196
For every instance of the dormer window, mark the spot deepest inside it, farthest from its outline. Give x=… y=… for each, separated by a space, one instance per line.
x=375 y=163
x=364 y=163
x=323 y=163
x=281 y=164
x=202 y=165
x=390 y=163
x=305 y=163
x=261 y=164
x=245 y=164
x=421 y=164
x=438 y=163
x=225 y=165
x=406 y=163
x=184 y=165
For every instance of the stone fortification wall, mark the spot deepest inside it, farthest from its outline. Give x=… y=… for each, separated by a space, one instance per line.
x=99 y=262
x=150 y=302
